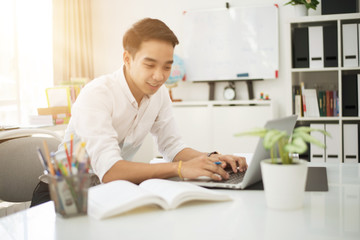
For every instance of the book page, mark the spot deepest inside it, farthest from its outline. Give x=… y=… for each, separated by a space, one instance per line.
x=176 y=193
x=117 y=197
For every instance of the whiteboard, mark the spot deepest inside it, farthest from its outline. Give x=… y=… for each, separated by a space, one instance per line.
x=229 y=44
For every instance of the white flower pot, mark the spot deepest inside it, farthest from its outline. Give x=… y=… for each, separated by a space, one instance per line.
x=284 y=185
x=300 y=10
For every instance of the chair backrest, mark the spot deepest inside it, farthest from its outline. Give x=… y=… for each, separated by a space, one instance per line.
x=20 y=166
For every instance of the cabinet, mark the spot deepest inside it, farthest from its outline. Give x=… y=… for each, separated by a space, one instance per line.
x=211 y=125
x=328 y=72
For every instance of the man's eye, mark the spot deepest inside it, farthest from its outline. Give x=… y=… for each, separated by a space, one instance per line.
x=149 y=65
x=167 y=68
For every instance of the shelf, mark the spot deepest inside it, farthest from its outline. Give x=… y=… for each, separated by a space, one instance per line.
x=223 y=103
x=351 y=118
x=325 y=18
x=315 y=119
x=333 y=69
x=350 y=68
x=324 y=78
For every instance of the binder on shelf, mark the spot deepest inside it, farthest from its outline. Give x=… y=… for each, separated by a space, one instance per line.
x=351 y=146
x=301 y=48
x=359 y=43
x=358 y=93
x=317 y=154
x=335 y=7
x=350 y=95
x=350 y=45
x=332 y=144
x=330 y=46
x=316 y=48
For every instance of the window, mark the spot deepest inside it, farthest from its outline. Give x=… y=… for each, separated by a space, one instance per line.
x=26 y=65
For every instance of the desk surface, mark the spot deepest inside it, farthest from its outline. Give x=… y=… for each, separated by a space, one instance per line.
x=325 y=215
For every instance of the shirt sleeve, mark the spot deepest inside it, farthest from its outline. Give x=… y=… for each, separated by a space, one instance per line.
x=92 y=122
x=165 y=131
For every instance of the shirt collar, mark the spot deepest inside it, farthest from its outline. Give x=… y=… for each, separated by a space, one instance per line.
x=127 y=91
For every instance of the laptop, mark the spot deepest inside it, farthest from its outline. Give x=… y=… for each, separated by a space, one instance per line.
x=253 y=173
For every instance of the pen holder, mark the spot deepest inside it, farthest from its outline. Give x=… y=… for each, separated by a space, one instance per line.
x=70 y=193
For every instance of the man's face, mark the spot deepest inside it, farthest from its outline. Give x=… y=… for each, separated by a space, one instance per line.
x=148 y=70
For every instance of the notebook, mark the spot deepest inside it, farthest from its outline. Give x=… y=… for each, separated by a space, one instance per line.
x=253 y=173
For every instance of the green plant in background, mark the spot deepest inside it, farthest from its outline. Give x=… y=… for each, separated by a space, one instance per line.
x=286 y=145
x=308 y=3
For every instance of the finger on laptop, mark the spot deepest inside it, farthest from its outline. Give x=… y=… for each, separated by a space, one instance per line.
x=231 y=161
x=242 y=164
x=217 y=170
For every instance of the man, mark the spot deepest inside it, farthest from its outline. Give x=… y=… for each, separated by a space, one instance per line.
x=114 y=113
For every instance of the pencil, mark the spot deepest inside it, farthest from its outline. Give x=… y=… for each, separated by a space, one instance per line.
x=47 y=154
x=68 y=157
x=71 y=146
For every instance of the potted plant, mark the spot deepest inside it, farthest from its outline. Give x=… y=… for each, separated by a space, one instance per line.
x=283 y=175
x=301 y=6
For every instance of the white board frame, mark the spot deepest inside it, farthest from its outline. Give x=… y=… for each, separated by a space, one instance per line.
x=239 y=43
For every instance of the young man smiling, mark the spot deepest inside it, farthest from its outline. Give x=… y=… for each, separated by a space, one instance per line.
x=114 y=113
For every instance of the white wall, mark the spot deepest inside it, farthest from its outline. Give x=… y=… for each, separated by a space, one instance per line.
x=111 y=18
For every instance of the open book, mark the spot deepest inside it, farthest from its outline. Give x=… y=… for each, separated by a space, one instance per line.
x=120 y=196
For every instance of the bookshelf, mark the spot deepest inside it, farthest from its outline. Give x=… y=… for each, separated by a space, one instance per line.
x=324 y=78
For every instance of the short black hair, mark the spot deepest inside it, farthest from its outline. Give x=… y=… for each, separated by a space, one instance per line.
x=147 y=29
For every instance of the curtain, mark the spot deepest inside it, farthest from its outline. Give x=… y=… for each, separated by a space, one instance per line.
x=73 y=53
x=26 y=67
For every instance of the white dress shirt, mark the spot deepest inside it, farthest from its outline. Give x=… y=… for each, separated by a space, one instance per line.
x=107 y=117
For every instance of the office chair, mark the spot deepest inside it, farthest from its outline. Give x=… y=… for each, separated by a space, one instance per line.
x=20 y=166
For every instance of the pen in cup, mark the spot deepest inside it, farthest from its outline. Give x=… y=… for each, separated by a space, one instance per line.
x=42 y=161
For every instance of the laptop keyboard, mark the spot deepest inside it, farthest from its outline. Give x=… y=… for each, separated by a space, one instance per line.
x=234 y=178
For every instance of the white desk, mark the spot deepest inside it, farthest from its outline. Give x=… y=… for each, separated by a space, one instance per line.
x=326 y=215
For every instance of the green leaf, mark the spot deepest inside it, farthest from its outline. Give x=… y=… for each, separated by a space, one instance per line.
x=297 y=145
x=272 y=137
x=308 y=138
x=309 y=129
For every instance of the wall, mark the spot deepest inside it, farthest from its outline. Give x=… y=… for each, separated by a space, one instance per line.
x=111 y=18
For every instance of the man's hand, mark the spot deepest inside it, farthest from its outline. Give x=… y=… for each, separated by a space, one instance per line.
x=203 y=166
x=237 y=163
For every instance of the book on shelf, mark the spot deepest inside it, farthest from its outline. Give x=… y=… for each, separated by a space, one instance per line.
x=315 y=103
x=297 y=102
x=117 y=197
x=321 y=101
x=311 y=103
x=303 y=101
x=330 y=103
x=336 y=104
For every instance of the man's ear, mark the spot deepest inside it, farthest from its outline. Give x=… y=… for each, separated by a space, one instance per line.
x=126 y=58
